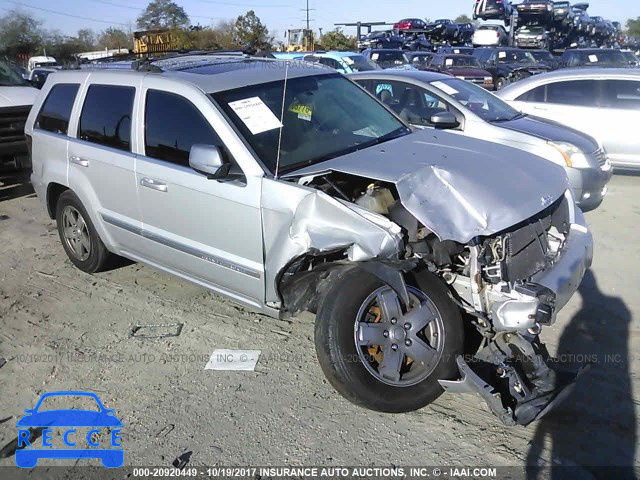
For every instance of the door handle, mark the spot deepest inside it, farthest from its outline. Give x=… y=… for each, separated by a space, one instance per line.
x=79 y=161
x=153 y=184
x=540 y=108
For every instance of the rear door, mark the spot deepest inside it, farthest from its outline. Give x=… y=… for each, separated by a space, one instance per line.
x=101 y=162
x=206 y=230
x=619 y=115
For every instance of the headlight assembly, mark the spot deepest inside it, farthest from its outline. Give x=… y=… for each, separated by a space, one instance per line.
x=572 y=155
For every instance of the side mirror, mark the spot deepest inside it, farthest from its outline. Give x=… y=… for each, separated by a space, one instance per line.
x=444 y=120
x=38 y=81
x=207 y=159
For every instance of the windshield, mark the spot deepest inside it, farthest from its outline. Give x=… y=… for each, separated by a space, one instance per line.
x=515 y=56
x=388 y=58
x=484 y=104
x=360 y=63
x=419 y=59
x=9 y=77
x=542 y=56
x=324 y=116
x=462 y=61
x=608 y=58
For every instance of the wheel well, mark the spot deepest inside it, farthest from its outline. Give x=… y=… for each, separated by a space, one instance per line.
x=54 y=190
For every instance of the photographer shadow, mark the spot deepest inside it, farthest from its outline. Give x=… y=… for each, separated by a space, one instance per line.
x=593 y=433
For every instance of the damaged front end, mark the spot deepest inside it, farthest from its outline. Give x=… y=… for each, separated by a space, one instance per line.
x=508 y=275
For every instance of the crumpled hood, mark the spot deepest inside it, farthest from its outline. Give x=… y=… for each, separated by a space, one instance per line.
x=537 y=68
x=17 y=96
x=551 y=131
x=456 y=186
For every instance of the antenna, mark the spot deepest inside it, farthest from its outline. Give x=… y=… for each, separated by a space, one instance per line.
x=284 y=96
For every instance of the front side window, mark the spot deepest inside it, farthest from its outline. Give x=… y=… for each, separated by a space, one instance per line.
x=106 y=116
x=319 y=118
x=172 y=126
x=56 y=110
x=413 y=104
x=485 y=105
x=578 y=93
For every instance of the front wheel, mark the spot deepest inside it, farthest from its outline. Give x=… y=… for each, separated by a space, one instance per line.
x=501 y=82
x=381 y=355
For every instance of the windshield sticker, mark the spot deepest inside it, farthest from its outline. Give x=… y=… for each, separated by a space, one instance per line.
x=456 y=51
x=448 y=62
x=304 y=111
x=593 y=58
x=445 y=88
x=502 y=54
x=255 y=115
x=375 y=56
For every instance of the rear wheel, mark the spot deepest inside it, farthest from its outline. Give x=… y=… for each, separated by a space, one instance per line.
x=78 y=235
x=381 y=355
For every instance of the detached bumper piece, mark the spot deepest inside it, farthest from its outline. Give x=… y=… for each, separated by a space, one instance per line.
x=512 y=376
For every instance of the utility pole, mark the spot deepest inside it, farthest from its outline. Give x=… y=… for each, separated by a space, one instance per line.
x=307 y=10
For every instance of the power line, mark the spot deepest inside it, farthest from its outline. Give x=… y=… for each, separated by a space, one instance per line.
x=67 y=14
x=140 y=9
x=245 y=4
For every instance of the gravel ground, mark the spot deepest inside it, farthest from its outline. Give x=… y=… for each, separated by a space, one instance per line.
x=62 y=329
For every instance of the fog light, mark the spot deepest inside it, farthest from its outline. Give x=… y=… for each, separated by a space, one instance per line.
x=586 y=196
x=604 y=190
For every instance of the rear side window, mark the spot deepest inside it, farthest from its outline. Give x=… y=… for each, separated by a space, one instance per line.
x=172 y=125
x=106 y=116
x=56 y=110
x=622 y=94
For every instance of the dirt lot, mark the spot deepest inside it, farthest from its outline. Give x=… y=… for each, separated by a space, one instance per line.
x=62 y=329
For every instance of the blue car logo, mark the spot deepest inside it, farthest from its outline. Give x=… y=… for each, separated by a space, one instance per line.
x=79 y=444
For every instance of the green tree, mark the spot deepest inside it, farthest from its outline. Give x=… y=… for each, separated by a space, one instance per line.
x=20 y=33
x=337 y=40
x=113 y=38
x=86 y=39
x=163 y=14
x=250 y=32
x=463 y=19
x=633 y=27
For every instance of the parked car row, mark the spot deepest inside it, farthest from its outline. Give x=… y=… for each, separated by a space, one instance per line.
x=381 y=208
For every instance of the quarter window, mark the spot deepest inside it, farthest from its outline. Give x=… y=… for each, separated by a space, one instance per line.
x=106 y=116
x=56 y=110
x=172 y=125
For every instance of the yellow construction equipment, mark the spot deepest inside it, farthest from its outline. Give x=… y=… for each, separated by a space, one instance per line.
x=300 y=40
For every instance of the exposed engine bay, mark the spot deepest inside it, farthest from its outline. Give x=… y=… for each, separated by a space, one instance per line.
x=492 y=279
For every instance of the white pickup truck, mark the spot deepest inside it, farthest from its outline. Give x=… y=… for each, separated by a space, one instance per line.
x=16 y=98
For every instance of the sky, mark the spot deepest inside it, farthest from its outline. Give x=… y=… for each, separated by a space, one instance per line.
x=68 y=16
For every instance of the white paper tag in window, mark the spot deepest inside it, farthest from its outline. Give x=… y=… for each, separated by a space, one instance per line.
x=445 y=88
x=255 y=115
x=502 y=54
x=375 y=56
x=593 y=58
x=456 y=51
x=448 y=62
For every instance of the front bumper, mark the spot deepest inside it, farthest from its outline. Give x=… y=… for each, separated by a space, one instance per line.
x=589 y=186
x=564 y=278
x=525 y=42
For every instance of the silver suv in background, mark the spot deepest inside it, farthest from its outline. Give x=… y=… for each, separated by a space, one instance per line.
x=433 y=100
x=287 y=187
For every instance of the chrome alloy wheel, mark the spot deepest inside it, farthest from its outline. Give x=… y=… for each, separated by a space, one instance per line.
x=76 y=233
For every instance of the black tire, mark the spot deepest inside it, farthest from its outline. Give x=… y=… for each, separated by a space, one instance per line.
x=98 y=258
x=501 y=82
x=342 y=364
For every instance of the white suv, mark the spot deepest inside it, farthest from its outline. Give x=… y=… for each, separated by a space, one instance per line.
x=287 y=187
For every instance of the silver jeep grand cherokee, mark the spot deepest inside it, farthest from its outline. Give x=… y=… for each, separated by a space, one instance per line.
x=431 y=260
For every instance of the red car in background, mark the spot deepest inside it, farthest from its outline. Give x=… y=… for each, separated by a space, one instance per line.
x=410 y=24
